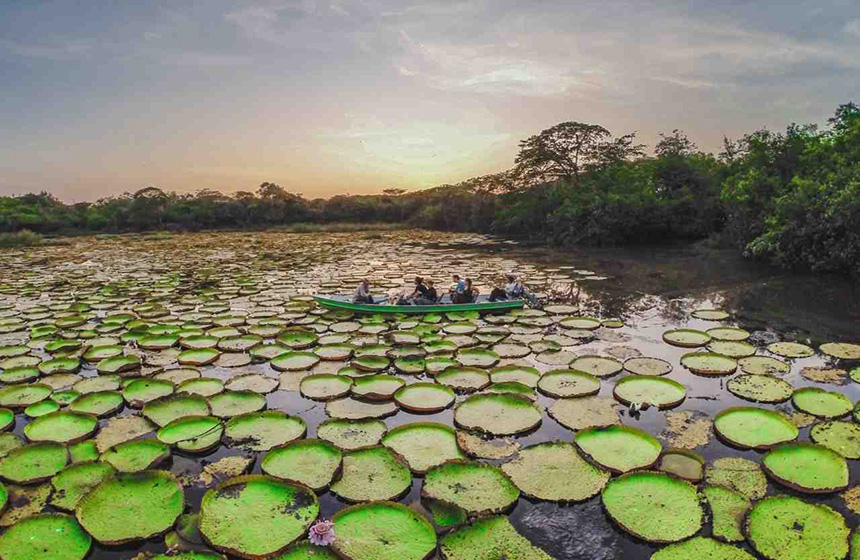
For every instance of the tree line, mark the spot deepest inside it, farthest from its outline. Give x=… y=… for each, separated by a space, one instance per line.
x=790 y=197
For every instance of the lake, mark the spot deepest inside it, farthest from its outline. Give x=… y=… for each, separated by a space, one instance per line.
x=234 y=294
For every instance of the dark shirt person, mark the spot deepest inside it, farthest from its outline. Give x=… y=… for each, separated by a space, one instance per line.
x=362 y=293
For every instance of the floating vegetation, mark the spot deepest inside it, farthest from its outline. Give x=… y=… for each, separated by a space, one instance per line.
x=835 y=376
x=49 y=536
x=34 y=463
x=782 y=527
x=423 y=445
x=700 y=547
x=349 y=435
x=477 y=488
x=841 y=437
x=654 y=391
x=76 y=481
x=763 y=365
x=754 y=428
x=619 y=448
x=256 y=516
x=687 y=429
x=647 y=366
x=567 y=383
x=760 y=388
x=382 y=530
x=683 y=464
x=821 y=403
x=585 y=412
x=555 y=472
x=807 y=467
x=736 y=473
x=499 y=414
x=495 y=448
x=790 y=349
x=728 y=509
x=489 y=537
x=841 y=350
x=135 y=456
x=686 y=338
x=708 y=363
x=311 y=462
x=372 y=473
x=655 y=507
x=424 y=397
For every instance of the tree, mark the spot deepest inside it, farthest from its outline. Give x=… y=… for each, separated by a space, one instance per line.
x=675 y=144
x=393 y=192
x=566 y=150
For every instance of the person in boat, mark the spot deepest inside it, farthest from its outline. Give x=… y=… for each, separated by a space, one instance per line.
x=513 y=289
x=432 y=294
x=457 y=290
x=422 y=294
x=362 y=293
x=469 y=294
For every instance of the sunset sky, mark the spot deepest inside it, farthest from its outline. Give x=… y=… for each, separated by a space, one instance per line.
x=352 y=97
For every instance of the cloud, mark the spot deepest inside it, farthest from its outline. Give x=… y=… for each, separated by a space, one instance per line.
x=62 y=51
x=203 y=59
x=853 y=27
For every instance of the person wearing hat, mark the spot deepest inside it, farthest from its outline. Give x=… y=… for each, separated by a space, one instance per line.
x=513 y=289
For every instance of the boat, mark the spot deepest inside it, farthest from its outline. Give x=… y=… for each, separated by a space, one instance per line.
x=344 y=303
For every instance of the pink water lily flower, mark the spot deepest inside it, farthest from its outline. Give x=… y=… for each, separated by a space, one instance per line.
x=321 y=533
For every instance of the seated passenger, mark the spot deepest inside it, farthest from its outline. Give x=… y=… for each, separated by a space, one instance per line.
x=470 y=293
x=457 y=290
x=421 y=295
x=362 y=293
x=513 y=289
x=432 y=294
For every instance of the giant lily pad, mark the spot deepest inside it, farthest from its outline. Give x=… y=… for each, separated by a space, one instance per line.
x=424 y=445
x=141 y=391
x=311 y=462
x=373 y=473
x=728 y=509
x=352 y=409
x=700 y=547
x=99 y=403
x=477 y=357
x=76 y=481
x=686 y=338
x=352 y=434
x=192 y=434
x=599 y=366
x=424 y=397
x=807 y=467
x=754 y=428
x=477 y=488
x=821 y=403
x=555 y=472
x=33 y=463
x=136 y=456
x=785 y=527
x=760 y=388
x=62 y=426
x=708 y=363
x=324 y=386
x=841 y=437
x=489 y=538
x=256 y=516
x=261 y=431
x=165 y=410
x=48 y=536
x=655 y=507
x=731 y=348
x=521 y=374
x=377 y=387
x=498 y=414
x=841 y=350
x=21 y=396
x=233 y=403
x=655 y=391
x=585 y=412
x=464 y=379
x=619 y=448
x=151 y=500
x=790 y=349
x=763 y=365
x=382 y=530
x=642 y=365
x=736 y=473
x=294 y=361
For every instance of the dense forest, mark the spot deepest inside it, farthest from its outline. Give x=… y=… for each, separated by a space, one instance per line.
x=791 y=198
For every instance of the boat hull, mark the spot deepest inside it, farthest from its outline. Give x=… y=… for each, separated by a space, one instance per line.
x=482 y=307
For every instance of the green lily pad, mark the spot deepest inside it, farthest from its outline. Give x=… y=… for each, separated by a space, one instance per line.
x=655 y=391
x=807 y=467
x=497 y=414
x=435 y=365
x=821 y=403
x=710 y=314
x=423 y=445
x=683 y=464
x=477 y=357
x=700 y=547
x=841 y=437
x=763 y=365
x=59 y=365
x=841 y=350
x=304 y=550
x=377 y=387
x=349 y=435
x=97 y=353
x=728 y=509
x=47 y=536
x=424 y=397
x=298 y=339
x=619 y=448
x=644 y=365
x=21 y=396
x=84 y=451
x=352 y=409
x=654 y=507
x=192 y=434
x=324 y=387
x=732 y=348
x=62 y=427
x=584 y=323
x=686 y=338
x=521 y=374
x=785 y=527
x=152 y=500
x=203 y=386
x=489 y=538
x=165 y=410
x=760 y=388
x=464 y=379
x=118 y=365
x=198 y=356
x=76 y=481
x=512 y=350
x=233 y=403
x=261 y=431
x=555 y=471
x=294 y=361
x=382 y=530
x=41 y=408
x=790 y=349
x=741 y=475
x=708 y=363
x=137 y=455
x=477 y=488
x=373 y=473
x=728 y=333
x=34 y=463
x=334 y=352
x=409 y=366
x=567 y=383
x=239 y=343
x=598 y=366
x=370 y=363
x=99 y=383
x=23 y=374
x=754 y=428
x=312 y=462
x=142 y=391
x=198 y=341
x=101 y=403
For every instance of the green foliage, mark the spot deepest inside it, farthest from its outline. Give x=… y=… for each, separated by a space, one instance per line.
x=792 y=198
x=23 y=238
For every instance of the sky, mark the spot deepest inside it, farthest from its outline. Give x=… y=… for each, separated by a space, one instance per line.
x=352 y=96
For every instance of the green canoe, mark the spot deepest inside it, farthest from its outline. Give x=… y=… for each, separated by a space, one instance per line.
x=343 y=303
